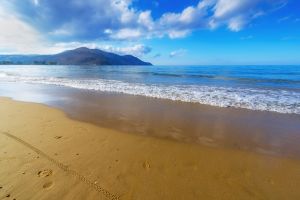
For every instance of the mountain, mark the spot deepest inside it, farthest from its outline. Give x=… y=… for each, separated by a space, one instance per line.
x=79 y=56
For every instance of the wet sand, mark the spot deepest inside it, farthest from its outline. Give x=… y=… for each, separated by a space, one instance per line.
x=237 y=129
x=240 y=129
x=46 y=155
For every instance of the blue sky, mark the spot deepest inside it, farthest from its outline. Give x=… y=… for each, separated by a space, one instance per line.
x=176 y=32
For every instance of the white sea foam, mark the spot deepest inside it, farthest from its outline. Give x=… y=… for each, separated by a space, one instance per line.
x=3 y=75
x=281 y=101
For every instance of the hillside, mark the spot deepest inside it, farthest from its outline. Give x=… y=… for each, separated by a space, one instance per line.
x=79 y=56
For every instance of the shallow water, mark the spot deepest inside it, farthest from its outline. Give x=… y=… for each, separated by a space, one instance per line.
x=265 y=88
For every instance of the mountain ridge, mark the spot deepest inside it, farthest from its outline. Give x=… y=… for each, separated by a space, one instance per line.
x=78 y=56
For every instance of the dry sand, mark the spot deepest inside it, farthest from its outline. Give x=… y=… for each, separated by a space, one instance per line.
x=45 y=155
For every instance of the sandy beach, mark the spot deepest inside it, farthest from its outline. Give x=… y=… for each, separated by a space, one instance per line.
x=46 y=155
x=149 y=100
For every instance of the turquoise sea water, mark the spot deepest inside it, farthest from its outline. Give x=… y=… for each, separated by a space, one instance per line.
x=266 y=88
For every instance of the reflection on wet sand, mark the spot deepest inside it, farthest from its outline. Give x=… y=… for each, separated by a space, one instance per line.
x=256 y=131
x=46 y=155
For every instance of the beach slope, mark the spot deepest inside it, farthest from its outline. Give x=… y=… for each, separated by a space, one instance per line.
x=45 y=155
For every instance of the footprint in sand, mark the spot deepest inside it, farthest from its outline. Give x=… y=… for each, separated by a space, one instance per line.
x=45 y=173
x=146 y=165
x=48 y=185
x=58 y=137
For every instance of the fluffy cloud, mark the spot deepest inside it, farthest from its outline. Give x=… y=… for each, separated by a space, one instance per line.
x=20 y=37
x=236 y=14
x=51 y=26
x=81 y=19
x=117 y=20
x=177 y=25
x=15 y=35
x=137 y=50
x=125 y=33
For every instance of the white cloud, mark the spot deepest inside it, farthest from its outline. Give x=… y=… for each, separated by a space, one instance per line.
x=228 y=8
x=177 y=53
x=136 y=50
x=90 y=20
x=236 y=23
x=61 y=32
x=178 y=25
x=236 y=14
x=126 y=33
x=15 y=35
x=118 y=20
x=19 y=37
x=36 y=2
x=145 y=19
x=173 y=34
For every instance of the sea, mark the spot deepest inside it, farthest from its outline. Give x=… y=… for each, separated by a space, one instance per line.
x=263 y=88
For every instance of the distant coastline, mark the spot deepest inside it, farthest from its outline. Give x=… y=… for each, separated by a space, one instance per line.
x=79 y=56
x=33 y=63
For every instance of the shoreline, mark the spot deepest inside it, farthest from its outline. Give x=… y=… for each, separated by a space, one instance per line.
x=208 y=87
x=239 y=129
x=159 y=169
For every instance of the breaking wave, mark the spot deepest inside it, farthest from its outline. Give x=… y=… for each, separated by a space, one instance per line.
x=281 y=101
